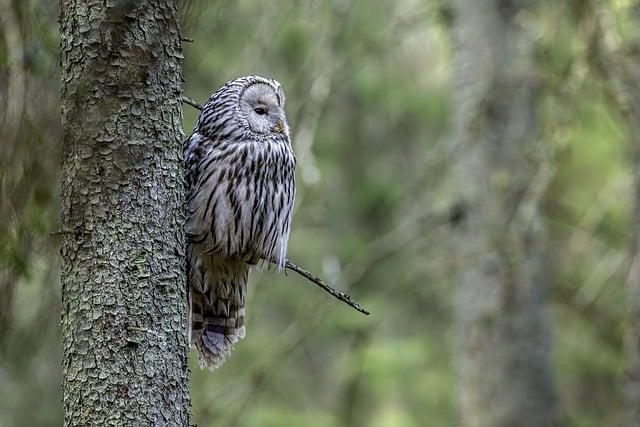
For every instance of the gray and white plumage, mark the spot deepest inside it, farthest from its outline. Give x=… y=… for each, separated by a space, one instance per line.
x=240 y=194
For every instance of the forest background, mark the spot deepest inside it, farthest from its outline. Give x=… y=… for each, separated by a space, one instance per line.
x=379 y=102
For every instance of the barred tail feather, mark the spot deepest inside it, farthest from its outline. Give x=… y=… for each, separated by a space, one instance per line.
x=217 y=315
x=215 y=336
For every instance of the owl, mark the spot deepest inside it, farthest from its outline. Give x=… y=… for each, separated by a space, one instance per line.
x=239 y=170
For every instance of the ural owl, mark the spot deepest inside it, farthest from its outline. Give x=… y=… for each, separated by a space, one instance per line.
x=240 y=193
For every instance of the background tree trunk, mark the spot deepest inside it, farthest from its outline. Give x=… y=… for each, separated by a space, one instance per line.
x=632 y=339
x=503 y=351
x=123 y=287
x=619 y=64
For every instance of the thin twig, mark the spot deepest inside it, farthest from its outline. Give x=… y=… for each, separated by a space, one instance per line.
x=316 y=280
x=191 y=102
x=187 y=40
x=63 y=231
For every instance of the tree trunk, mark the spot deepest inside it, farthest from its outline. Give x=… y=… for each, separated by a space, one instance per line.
x=123 y=284
x=503 y=349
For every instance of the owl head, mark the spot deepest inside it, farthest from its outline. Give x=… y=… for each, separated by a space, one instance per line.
x=261 y=105
x=253 y=104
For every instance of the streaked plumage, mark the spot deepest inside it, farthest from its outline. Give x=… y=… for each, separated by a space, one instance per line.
x=240 y=192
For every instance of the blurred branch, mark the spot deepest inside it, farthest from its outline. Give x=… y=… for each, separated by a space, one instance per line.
x=7 y=288
x=15 y=63
x=309 y=116
x=351 y=395
x=607 y=328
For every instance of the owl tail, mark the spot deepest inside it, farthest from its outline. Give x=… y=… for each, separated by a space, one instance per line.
x=217 y=315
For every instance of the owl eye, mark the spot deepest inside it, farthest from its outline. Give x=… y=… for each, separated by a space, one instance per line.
x=261 y=111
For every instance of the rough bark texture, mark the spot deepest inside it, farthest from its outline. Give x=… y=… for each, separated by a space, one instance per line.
x=123 y=284
x=503 y=349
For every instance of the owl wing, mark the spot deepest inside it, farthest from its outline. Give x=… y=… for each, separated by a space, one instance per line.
x=217 y=284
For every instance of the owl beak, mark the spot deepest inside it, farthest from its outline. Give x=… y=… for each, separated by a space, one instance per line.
x=279 y=127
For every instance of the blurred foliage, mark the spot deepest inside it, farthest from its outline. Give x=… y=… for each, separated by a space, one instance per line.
x=368 y=102
x=30 y=135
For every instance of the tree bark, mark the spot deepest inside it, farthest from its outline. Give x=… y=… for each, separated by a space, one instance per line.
x=124 y=326
x=503 y=344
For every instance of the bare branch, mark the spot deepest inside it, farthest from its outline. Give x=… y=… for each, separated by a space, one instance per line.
x=316 y=280
x=63 y=231
x=194 y=104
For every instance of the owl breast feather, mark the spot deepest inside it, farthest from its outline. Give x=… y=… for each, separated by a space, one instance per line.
x=241 y=195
